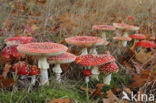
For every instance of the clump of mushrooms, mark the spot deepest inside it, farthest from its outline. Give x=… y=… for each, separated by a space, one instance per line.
x=42 y=51
x=60 y=59
x=125 y=28
x=94 y=60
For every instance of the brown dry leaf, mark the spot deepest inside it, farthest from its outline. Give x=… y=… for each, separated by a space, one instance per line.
x=143 y=57
x=6 y=70
x=6 y=83
x=60 y=100
x=111 y=98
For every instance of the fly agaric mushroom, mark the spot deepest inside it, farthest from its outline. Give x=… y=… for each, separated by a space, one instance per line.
x=34 y=70
x=125 y=28
x=86 y=41
x=60 y=59
x=94 y=60
x=8 y=54
x=145 y=44
x=86 y=73
x=136 y=37
x=108 y=68
x=42 y=51
x=22 y=69
x=17 y=40
x=104 y=28
x=122 y=39
x=153 y=38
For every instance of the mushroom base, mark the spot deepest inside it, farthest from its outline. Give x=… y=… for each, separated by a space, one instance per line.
x=87 y=79
x=57 y=70
x=107 y=79
x=33 y=80
x=44 y=77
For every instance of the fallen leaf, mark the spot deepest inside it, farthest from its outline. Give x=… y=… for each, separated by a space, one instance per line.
x=6 y=83
x=6 y=70
x=60 y=100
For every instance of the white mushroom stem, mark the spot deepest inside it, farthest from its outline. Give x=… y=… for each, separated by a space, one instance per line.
x=43 y=65
x=107 y=79
x=125 y=42
x=33 y=80
x=93 y=51
x=104 y=36
x=87 y=79
x=57 y=70
x=22 y=77
x=95 y=73
x=84 y=51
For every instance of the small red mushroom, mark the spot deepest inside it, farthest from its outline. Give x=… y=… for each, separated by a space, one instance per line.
x=86 y=73
x=22 y=68
x=34 y=70
x=146 y=44
x=108 y=68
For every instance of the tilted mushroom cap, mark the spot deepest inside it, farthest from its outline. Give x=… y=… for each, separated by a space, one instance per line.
x=125 y=26
x=85 y=41
x=22 y=68
x=10 y=51
x=122 y=38
x=104 y=27
x=17 y=40
x=145 y=44
x=63 y=58
x=94 y=59
x=34 y=70
x=137 y=36
x=109 y=68
x=42 y=49
x=86 y=72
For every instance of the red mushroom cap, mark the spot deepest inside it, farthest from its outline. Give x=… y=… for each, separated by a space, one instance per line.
x=109 y=68
x=63 y=58
x=122 y=38
x=86 y=72
x=22 y=68
x=34 y=70
x=42 y=49
x=145 y=44
x=94 y=59
x=126 y=26
x=137 y=36
x=17 y=40
x=85 y=41
x=103 y=27
x=9 y=52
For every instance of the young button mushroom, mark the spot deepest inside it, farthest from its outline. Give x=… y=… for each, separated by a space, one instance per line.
x=104 y=28
x=136 y=37
x=34 y=70
x=108 y=68
x=87 y=74
x=22 y=69
x=17 y=40
x=60 y=59
x=122 y=39
x=94 y=60
x=85 y=41
x=125 y=28
x=42 y=51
